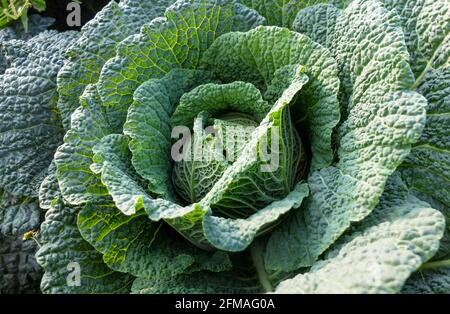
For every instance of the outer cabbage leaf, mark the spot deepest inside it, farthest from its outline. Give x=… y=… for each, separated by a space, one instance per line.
x=283 y=12
x=318 y=22
x=381 y=252
x=89 y=125
x=71 y=265
x=237 y=234
x=176 y=41
x=384 y=117
x=64 y=253
x=97 y=44
x=199 y=282
x=135 y=245
x=30 y=129
x=426 y=24
x=49 y=189
x=427 y=169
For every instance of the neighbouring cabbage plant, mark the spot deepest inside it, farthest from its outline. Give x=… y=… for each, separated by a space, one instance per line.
x=30 y=132
x=243 y=146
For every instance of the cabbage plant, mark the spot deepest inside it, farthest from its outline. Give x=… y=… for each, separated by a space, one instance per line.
x=216 y=146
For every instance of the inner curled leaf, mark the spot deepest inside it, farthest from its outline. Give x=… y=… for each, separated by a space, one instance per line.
x=209 y=153
x=233 y=114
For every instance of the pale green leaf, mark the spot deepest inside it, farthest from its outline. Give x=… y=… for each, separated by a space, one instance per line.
x=380 y=253
x=427 y=169
x=384 y=117
x=283 y=12
x=217 y=99
x=426 y=25
x=237 y=234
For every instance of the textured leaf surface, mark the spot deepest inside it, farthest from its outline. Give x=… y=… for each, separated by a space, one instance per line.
x=179 y=40
x=237 y=234
x=384 y=117
x=49 y=188
x=194 y=178
x=427 y=281
x=97 y=44
x=138 y=246
x=427 y=169
x=113 y=162
x=64 y=253
x=19 y=271
x=148 y=126
x=380 y=253
x=283 y=12
x=318 y=22
x=30 y=129
x=89 y=125
x=36 y=24
x=426 y=24
x=18 y=214
x=199 y=282
x=257 y=55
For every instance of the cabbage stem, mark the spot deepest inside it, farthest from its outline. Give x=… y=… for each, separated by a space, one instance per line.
x=436 y=264
x=256 y=251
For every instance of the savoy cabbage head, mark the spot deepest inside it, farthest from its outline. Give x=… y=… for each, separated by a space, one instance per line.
x=215 y=146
